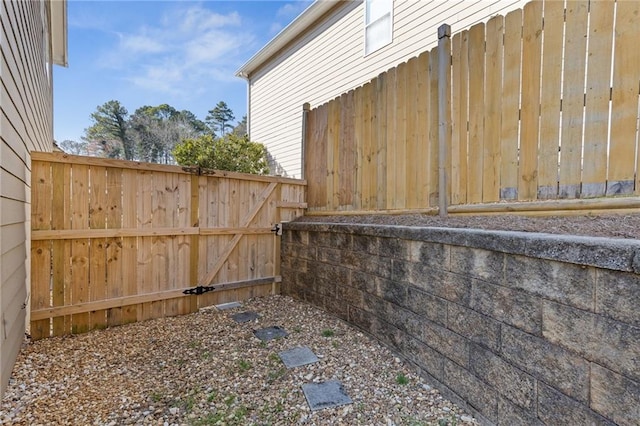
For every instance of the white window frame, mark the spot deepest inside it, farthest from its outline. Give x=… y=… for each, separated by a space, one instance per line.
x=383 y=22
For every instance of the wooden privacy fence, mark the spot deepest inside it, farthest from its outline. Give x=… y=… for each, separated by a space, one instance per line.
x=114 y=242
x=539 y=105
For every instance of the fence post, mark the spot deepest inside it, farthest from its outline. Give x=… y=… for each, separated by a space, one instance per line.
x=305 y=113
x=444 y=113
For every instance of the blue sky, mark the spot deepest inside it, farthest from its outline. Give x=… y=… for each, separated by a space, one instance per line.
x=183 y=53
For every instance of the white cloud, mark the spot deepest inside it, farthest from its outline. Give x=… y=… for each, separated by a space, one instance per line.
x=186 y=50
x=291 y=10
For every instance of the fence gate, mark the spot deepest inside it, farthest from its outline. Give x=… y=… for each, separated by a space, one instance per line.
x=115 y=242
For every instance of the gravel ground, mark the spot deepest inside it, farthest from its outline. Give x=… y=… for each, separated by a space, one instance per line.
x=610 y=225
x=205 y=369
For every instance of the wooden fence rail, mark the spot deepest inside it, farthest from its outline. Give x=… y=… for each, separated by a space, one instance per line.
x=114 y=242
x=537 y=105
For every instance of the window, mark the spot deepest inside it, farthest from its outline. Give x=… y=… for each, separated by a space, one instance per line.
x=378 y=24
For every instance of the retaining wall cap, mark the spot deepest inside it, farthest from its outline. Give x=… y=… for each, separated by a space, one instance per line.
x=608 y=253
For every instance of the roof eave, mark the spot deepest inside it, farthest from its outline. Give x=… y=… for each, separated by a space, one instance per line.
x=309 y=16
x=59 y=32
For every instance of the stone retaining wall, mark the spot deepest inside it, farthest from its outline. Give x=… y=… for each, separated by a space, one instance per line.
x=518 y=328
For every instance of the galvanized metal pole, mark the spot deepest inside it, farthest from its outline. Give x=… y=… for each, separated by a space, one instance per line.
x=444 y=113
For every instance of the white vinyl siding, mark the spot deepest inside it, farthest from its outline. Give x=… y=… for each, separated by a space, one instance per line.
x=328 y=60
x=26 y=124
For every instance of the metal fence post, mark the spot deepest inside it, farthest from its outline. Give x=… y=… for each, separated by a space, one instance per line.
x=444 y=113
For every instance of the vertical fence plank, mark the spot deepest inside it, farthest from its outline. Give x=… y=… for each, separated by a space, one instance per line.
x=421 y=152
x=173 y=272
x=400 y=142
x=434 y=61
x=114 y=246
x=369 y=158
x=145 y=254
x=573 y=98
x=530 y=104
x=379 y=141
x=412 y=151
x=41 y=205
x=550 y=100
x=510 y=116
x=80 y=323
x=129 y=258
x=459 y=109
x=624 y=98
x=61 y=219
x=333 y=154
x=347 y=159
x=359 y=152
x=493 y=101
x=594 y=171
x=98 y=247
x=391 y=139
x=476 y=112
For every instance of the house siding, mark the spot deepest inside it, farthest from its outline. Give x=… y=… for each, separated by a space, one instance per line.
x=329 y=60
x=26 y=124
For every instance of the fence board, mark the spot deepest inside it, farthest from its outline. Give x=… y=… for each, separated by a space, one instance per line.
x=493 y=99
x=624 y=98
x=391 y=96
x=459 y=110
x=80 y=264
x=114 y=256
x=573 y=99
x=550 y=100
x=594 y=173
x=476 y=113
x=422 y=154
x=433 y=127
x=510 y=116
x=378 y=110
x=98 y=247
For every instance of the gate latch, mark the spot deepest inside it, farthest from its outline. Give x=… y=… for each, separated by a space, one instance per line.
x=277 y=229
x=199 y=290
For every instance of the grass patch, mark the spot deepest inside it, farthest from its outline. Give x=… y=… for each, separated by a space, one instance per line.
x=401 y=379
x=327 y=332
x=244 y=365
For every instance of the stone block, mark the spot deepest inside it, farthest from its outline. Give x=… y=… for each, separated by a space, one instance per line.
x=448 y=343
x=426 y=305
x=511 y=414
x=336 y=306
x=609 y=343
x=473 y=325
x=361 y=318
x=547 y=362
x=329 y=276
x=447 y=285
x=512 y=383
x=562 y=282
x=422 y=355
x=604 y=253
x=507 y=305
x=365 y=282
x=298 y=237
x=555 y=408
x=403 y=319
x=350 y=295
x=394 y=248
x=433 y=255
x=294 y=263
x=614 y=396
x=393 y=291
x=332 y=239
x=330 y=255
x=618 y=295
x=472 y=390
x=476 y=263
x=365 y=244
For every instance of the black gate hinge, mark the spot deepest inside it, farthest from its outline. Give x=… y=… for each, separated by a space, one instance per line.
x=277 y=229
x=199 y=290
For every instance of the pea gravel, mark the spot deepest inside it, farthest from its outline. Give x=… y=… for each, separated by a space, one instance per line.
x=206 y=369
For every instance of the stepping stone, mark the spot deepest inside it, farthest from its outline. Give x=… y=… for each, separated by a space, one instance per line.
x=269 y=333
x=325 y=395
x=298 y=356
x=241 y=317
x=230 y=305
